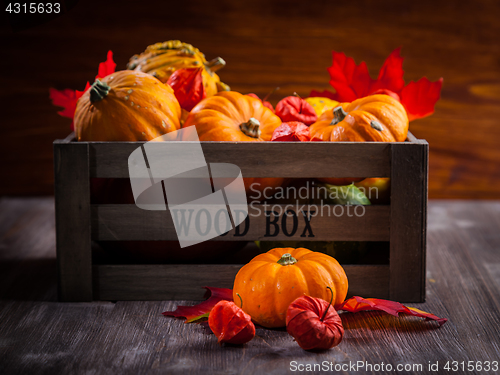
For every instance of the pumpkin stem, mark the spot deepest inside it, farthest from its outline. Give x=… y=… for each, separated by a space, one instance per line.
x=270 y=93
x=98 y=91
x=287 y=260
x=251 y=128
x=328 y=308
x=376 y=125
x=241 y=306
x=338 y=115
x=215 y=64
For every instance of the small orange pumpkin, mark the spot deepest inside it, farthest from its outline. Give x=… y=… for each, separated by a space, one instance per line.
x=377 y=118
x=273 y=280
x=126 y=106
x=231 y=116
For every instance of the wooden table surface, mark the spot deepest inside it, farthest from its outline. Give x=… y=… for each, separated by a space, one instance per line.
x=40 y=335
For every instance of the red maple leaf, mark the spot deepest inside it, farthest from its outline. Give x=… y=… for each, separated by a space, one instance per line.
x=107 y=67
x=68 y=98
x=352 y=81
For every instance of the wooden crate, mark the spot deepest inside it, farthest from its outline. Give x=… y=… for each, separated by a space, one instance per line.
x=78 y=222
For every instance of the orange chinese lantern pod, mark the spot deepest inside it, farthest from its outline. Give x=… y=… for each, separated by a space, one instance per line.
x=270 y=282
x=294 y=108
x=293 y=131
x=230 y=323
x=314 y=323
x=188 y=87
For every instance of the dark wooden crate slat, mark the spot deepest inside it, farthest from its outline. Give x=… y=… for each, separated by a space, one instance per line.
x=262 y=159
x=169 y=282
x=72 y=207
x=408 y=221
x=409 y=138
x=128 y=222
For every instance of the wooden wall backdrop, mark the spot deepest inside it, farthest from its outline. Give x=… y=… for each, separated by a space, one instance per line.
x=266 y=44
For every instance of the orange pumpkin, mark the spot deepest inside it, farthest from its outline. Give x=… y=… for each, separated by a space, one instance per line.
x=273 y=280
x=162 y=59
x=231 y=116
x=377 y=118
x=126 y=106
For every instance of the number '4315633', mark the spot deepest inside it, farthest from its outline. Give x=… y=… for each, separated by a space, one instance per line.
x=34 y=8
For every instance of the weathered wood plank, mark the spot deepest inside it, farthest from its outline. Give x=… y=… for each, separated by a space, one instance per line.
x=162 y=282
x=128 y=222
x=261 y=159
x=72 y=208
x=27 y=253
x=408 y=221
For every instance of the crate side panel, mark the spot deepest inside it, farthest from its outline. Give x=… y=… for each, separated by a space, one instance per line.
x=72 y=209
x=408 y=222
x=260 y=159
x=129 y=223
x=186 y=282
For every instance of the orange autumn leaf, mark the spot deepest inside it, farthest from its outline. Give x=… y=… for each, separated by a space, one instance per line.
x=357 y=304
x=192 y=313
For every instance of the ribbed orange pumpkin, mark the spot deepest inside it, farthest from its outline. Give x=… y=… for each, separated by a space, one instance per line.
x=273 y=280
x=377 y=118
x=126 y=106
x=231 y=116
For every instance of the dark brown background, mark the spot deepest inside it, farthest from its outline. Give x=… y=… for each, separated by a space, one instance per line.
x=267 y=44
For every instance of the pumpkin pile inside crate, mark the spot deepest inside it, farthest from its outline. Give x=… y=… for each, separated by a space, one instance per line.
x=171 y=85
